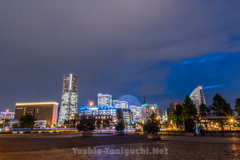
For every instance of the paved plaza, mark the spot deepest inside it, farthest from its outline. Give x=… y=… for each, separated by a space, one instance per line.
x=71 y=146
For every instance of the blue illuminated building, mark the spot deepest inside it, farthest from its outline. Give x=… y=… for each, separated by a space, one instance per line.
x=114 y=112
x=99 y=111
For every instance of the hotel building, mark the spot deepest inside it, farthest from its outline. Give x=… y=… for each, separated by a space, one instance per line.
x=45 y=112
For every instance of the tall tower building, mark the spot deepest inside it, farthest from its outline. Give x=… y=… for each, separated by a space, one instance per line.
x=69 y=102
x=104 y=100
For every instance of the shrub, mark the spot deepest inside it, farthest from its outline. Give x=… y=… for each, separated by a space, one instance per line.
x=152 y=125
x=120 y=126
x=86 y=124
x=138 y=130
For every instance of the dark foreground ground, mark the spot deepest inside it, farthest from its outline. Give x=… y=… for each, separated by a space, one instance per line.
x=71 y=146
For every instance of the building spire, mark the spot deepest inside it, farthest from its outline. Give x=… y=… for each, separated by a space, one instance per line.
x=144 y=99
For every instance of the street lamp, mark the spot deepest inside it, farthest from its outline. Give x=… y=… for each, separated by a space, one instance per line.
x=5 y=117
x=91 y=103
x=71 y=115
x=101 y=125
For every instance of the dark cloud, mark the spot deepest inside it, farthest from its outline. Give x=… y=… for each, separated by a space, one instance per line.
x=113 y=46
x=217 y=73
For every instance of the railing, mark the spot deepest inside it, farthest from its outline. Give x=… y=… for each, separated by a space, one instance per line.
x=25 y=129
x=113 y=130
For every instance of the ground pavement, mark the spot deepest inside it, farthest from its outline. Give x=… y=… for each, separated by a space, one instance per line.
x=105 y=146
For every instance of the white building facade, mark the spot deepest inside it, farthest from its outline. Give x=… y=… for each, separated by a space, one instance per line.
x=197 y=97
x=7 y=115
x=99 y=111
x=104 y=100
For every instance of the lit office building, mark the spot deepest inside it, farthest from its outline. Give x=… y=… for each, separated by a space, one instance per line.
x=69 y=104
x=197 y=97
x=44 y=112
x=104 y=100
x=127 y=115
x=120 y=104
x=147 y=110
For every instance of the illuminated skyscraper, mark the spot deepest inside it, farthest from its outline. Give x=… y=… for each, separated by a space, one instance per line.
x=104 y=100
x=197 y=97
x=69 y=102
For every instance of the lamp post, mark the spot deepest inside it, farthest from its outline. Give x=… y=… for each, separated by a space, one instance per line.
x=103 y=117
x=69 y=121
x=5 y=117
x=231 y=123
x=71 y=115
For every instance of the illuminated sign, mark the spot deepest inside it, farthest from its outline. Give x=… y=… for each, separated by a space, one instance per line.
x=36 y=103
x=93 y=108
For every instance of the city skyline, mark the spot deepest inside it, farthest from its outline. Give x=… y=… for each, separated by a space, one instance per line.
x=84 y=103
x=128 y=79
x=161 y=49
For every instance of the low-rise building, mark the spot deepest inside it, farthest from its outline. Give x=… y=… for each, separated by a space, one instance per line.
x=99 y=111
x=170 y=109
x=7 y=115
x=6 y=119
x=107 y=112
x=218 y=122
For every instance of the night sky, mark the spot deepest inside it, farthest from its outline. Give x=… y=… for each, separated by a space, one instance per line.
x=163 y=49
